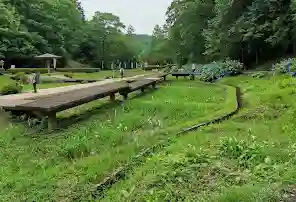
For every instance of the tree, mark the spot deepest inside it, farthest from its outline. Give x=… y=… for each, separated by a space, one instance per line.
x=130 y=30
x=250 y=31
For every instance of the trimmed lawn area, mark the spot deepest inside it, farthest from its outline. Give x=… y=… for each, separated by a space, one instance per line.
x=66 y=165
x=250 y=157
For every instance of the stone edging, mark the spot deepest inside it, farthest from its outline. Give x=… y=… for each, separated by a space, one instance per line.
x=121 y=172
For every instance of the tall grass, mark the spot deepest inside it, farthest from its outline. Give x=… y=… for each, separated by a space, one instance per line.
x=66 y=165
x=250 y=157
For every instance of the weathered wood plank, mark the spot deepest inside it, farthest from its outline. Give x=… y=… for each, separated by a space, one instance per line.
x=74 y=98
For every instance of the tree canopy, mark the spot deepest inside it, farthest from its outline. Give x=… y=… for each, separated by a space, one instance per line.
x=250 y=31
x=32 y=27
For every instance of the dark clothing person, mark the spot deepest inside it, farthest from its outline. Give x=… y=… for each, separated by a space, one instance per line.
x=35 y=80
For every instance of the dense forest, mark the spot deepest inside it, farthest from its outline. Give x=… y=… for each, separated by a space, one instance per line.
x=195 y=31
x=251 y=31
x=32 y=27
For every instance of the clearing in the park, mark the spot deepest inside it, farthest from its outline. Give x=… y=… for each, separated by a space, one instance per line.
x=185 y=140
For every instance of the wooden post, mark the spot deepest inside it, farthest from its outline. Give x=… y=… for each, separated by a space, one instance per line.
x=154 y=85
x=125 y=96
x=112 y=97
x=52 y=121
x=142 y=90
x=47 y=62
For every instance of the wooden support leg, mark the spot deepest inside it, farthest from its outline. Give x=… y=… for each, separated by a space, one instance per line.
x=52 y=121
x=153 y=85
x=112 y=97
x=142 y=90
x=177 y=77
x=125 y=96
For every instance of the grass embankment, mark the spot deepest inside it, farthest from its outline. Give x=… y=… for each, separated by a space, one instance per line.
x=250 y=157
x=65 y=166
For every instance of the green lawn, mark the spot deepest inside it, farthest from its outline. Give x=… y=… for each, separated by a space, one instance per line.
x=250 y=157
x=104 y=74
x=66 y=165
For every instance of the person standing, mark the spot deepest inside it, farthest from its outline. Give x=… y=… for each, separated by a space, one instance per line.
x=35 y=80
x=121 y=72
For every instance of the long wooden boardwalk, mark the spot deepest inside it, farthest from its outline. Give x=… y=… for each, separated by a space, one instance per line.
x=47 y=102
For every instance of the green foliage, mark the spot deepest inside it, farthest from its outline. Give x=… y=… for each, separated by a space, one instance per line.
x=27 y=70
x=112 y=134
x=285 y=66
x=20 y=77
x=215 y=70
x=12 y=88
x=44 y=70
x=238 y=159
x=34 y=27
x=249 y=31
x=246 y=153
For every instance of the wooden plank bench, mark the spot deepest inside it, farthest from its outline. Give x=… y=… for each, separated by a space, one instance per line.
x=156 y=75
x=138 y=85
x=163 y=75
x=50 y=105
x=184 y=74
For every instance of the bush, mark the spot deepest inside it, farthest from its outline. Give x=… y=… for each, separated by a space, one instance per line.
x=285 y=66
x=211 y=72
x=13 y=88
x=233 y=67
x=27 y=70
x=69 y=75
x=21 y=77
x=215 y=70
x=44 y=70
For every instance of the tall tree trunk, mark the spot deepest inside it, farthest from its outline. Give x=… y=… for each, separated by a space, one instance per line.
x=257 y=56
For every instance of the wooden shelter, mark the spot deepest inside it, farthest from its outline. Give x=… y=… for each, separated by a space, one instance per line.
x=48 y=59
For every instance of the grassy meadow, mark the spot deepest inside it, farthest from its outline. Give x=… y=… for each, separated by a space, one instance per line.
x=65 y=166
x=250 y=157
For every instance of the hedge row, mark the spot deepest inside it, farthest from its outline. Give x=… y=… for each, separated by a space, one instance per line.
x=152 y=67
x=73 y=70
x=44 y=70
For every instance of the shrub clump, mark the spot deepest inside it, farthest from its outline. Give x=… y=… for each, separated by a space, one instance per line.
x=13 y=88
x=215 y=70
x=285 y=66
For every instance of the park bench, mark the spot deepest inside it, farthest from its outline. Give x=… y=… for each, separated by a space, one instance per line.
x=184 y=74
x=139 y=85
x=48 y=106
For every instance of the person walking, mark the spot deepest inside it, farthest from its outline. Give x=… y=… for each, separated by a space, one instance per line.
x=121 y=72
x=35 y=80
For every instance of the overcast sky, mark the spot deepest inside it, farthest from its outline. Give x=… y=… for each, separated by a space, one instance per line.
x=143 y=15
